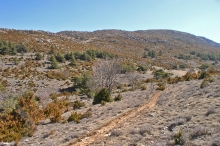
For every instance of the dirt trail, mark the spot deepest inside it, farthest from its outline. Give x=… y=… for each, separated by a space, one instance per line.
x=105 y=129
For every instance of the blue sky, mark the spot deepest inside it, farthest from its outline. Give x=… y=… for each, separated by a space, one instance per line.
x=199 y=17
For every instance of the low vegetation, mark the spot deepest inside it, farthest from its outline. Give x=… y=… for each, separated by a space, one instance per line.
x=72 y=79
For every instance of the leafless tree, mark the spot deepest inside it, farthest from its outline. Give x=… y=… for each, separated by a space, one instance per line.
x=133 y=79
x=106 y=73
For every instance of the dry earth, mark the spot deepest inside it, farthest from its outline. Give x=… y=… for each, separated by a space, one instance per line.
x=182 y=107
x=104 y=130
x=186 y=107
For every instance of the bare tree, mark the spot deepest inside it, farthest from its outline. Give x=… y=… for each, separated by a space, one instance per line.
x=106 y=73
x=133 y=79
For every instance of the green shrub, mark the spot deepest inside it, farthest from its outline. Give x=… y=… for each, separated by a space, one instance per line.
x=129 y=67
x=54 y=64
x=38 y=56
x=161 y=74
x=118 y=97
x=81 y=83
x=60 y=58
x=103 y=103
x=178 y=138
x=21 y=48
x=204 y=74
x=102 y=95
x=141 y=68
x=9 y=104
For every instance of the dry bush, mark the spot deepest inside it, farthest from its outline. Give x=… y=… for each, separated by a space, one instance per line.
x=63 y=75
x=15 y=125
x=53 y=111
x=136 y=138
x=76 y=117
x=77 y=104
x=199 y=131
x=216 y=142
x=28 y=103
x=210 y=110
x=116 y=133
x=21 y=120
x=181 y=120
x=161 y=86
x=145 y=129
x=134 y=131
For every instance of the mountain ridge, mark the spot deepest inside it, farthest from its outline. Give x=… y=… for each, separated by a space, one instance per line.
x=203 y=39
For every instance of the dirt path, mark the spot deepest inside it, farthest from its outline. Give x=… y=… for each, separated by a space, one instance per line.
x=105 y=129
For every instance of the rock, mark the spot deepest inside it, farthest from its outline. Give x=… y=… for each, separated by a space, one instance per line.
x=7 y=143
x=151 y=115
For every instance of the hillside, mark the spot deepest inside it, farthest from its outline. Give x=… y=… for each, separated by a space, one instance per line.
x=108 y=87
x=137 y=44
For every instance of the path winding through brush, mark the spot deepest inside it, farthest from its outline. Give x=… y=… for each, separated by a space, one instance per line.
x=105 y=129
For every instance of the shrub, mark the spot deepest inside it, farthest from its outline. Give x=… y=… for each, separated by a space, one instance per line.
x=129 y=67
x=77 y=104
x=38 y=56
x=54 y=64
x=20 y=121
x=198 y=131
x=204 y=84
x=116 y=133
x=103 y=103
x=204 y=75
x=102 y=95
x=75 y=117
x=72 y=61
x=141 y=68
x=210 y=110
x=216 y=142
x=160 y=87
x=178 y=121
x=28 y=103
x=87 y=114
x=21 y=48
x=144 y=129
x=118 y=97
x=15 y=125
x=143 y=87
x=82 y=83
x=60 y=57
x=161 y=74
x=9 y=104
x=178 y=138
x=53 y=111
x=203 y=67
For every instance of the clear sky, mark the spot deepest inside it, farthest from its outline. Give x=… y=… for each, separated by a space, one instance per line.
x=199 y=17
